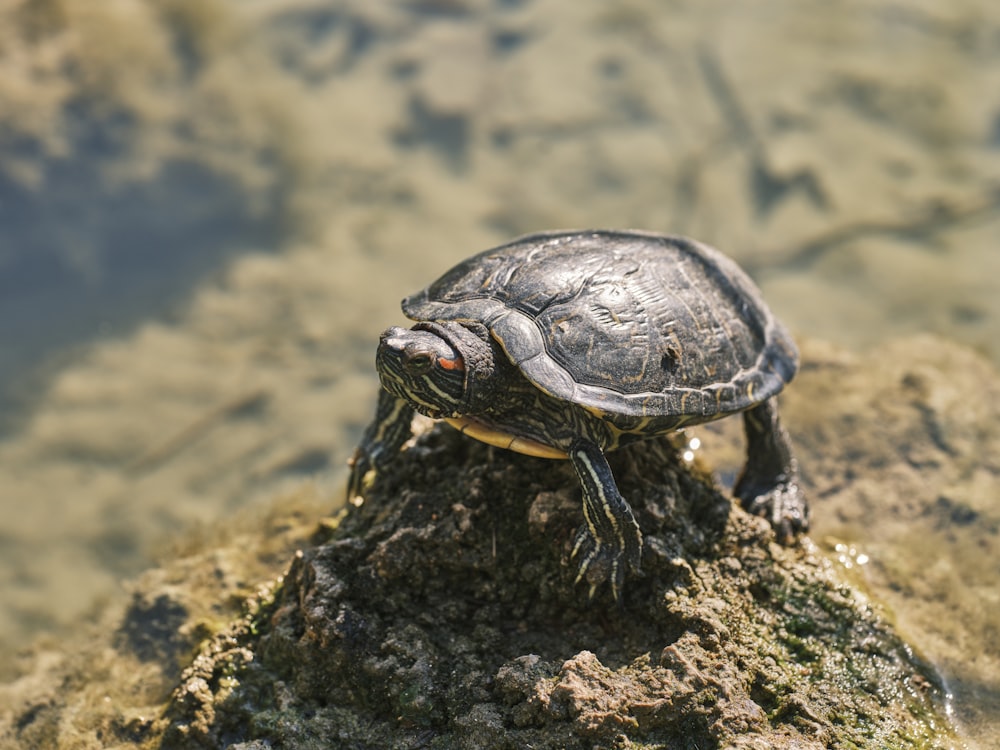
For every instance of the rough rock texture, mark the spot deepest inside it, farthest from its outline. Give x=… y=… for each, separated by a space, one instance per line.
x=901 y=447
x=442 y=613
x=107 y=685
x=845 y=153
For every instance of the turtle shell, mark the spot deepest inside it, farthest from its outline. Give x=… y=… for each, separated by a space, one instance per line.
x=622 y=322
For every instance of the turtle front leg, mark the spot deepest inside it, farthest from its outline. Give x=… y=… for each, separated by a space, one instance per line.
x=610 y=539
x=381 y=441
x=769 y=485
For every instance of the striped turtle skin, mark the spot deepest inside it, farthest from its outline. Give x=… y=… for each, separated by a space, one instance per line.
x=569 y=344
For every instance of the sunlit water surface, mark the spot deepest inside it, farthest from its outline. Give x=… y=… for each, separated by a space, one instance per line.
x=211 y=209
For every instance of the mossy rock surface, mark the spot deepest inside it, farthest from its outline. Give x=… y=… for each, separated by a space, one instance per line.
x=443 y=613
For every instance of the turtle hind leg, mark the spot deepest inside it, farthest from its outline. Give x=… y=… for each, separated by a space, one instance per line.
x=380 y=442
x=610 y=539
x=769 y=485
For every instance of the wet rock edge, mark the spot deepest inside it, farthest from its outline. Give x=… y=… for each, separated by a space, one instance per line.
x=442 y=613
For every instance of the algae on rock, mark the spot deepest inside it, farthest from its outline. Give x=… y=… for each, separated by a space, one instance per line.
x=442 y=613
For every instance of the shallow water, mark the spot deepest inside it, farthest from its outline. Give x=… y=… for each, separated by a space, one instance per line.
x=212 y=208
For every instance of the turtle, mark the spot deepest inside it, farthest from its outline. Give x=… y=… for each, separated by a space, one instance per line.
x=570 y=344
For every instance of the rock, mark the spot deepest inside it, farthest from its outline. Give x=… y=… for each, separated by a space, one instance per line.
x=442 y=613
x=902 y=446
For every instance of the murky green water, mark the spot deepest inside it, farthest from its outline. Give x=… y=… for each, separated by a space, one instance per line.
x=211 y=209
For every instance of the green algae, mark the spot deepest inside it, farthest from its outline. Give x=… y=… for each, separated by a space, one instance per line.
x=406 y=628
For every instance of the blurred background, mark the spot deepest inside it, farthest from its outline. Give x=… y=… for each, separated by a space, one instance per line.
x=210 y=208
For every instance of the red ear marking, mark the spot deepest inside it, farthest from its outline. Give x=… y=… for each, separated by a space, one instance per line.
x=452 y=364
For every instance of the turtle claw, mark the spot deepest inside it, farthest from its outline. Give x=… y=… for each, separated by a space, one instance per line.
x=361 y=476
x=610 y=540
x=599 y=562
x=379 y=444
x=769 y=484
x=784 y=506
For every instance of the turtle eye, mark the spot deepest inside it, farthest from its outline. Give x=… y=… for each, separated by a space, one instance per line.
x=419 y=362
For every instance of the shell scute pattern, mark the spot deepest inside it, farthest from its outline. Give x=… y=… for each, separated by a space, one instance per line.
x=624 y=323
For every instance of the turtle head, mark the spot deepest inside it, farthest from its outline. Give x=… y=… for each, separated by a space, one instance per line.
x=443 y=369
